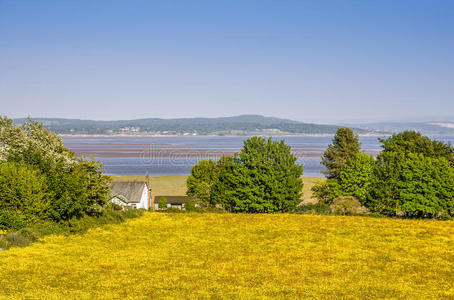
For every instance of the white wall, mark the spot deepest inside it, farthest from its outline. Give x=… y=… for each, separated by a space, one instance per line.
x=144 y=199
x=117 y=201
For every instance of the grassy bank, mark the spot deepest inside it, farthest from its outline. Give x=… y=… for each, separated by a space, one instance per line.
x=26 y=236
x=226 y=256
x=176 y=185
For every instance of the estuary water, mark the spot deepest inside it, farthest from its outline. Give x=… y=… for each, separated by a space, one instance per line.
x=171 y=156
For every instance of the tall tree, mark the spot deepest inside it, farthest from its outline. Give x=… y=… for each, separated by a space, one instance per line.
x=263 y=177
x=344 y=148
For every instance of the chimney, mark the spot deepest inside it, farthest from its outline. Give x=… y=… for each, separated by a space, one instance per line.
x=147 y=182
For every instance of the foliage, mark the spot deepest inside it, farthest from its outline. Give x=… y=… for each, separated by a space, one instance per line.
x=190 y=205
x=412 y=185
x=199 y=183
x=203 y=176
x=354 y=180
x=355 y=177
x=347 y=205
x=325 y=191
x=413 y=176
x=32 y=144
x=238 y=256
x=414 y=142
x=162 y=203
x=348 y=170
x=344 y=148
x=23 y=197
x=76 y=190
x=263 y=177
x=73 y=186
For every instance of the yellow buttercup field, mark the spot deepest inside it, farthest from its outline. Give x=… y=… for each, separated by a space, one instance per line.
x=241 y=256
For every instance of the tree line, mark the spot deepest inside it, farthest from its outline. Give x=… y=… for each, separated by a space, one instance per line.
x=413 y=176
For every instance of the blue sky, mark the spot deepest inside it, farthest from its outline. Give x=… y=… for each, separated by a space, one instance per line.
x=313 y=61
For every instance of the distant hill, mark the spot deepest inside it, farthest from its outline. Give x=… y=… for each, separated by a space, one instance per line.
x=427 y=128
x=237 y=125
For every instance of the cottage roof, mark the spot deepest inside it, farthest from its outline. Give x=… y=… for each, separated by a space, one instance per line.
x=128 y=191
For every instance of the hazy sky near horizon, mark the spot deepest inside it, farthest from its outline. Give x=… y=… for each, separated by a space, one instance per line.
x=312 y=61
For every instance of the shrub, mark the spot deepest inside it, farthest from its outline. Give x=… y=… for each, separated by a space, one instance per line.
x=313 y=208
x=162 y=203
x=263 y=177
x=191 y=205
x=23 y=196
x=174 y=210
x=325 y=191
x=347 y=205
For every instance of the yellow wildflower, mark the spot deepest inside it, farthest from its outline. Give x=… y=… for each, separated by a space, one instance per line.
x=238 y=256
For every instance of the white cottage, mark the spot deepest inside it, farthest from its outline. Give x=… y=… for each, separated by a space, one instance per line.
x=130 y=193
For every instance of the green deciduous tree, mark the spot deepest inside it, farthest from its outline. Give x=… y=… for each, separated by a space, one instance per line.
x=344 y=148
x=412 y=185
x=356 y=176
x=426 y=186
x=263 y=177
x=203 y=176
x=414 y=142
x=413 y=176
x=199 y=182
x=74 y=186
x=384 y=194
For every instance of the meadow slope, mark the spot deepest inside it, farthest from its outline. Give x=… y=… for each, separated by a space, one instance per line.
x=164 y=255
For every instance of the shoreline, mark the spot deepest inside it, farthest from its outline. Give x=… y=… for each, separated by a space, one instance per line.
x=66 y=135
